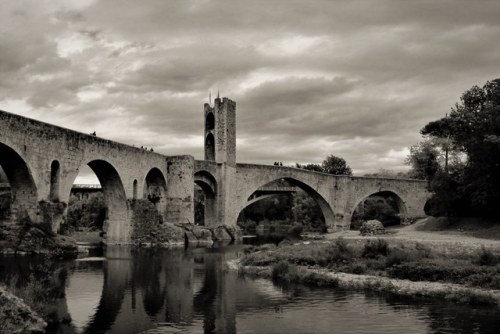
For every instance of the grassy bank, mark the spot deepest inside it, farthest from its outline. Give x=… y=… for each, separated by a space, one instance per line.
x=376 y=264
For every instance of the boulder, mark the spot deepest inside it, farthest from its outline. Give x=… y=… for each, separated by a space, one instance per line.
x=372 y=227
x=221 y=233
x=202 y=234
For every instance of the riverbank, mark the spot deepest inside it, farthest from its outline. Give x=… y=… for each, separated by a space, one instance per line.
x=17 y=317
x=388 y=265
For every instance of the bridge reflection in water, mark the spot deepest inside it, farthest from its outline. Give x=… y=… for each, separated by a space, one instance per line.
x=192 y=291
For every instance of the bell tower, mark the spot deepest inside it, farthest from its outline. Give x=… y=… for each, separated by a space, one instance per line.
x=220 y=131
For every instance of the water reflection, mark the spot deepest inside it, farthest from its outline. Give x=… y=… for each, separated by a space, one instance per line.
x=164 y=291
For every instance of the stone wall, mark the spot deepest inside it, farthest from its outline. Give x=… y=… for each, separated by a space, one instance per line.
x=28 y=149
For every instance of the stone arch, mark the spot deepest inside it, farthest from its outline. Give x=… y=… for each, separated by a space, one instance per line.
x=134 y=189
x=24 y=197
x=210 y=147
x=207 y=182
x=55 y=174
x=401 y=204
x=210 y=121
x=116 y=225
x=325 y=207
x=155 y=189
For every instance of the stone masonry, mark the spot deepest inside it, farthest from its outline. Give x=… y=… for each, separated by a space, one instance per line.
x=41 y=162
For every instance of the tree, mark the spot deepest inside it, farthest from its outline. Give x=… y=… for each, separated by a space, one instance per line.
x=423 y=159
x=473 y=130
x=313 y=167
x=336 y=165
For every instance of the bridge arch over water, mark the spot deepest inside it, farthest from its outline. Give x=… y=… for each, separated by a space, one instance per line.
x=23 y=189
x=117 y=223
x=208 y=184
x=155 y=189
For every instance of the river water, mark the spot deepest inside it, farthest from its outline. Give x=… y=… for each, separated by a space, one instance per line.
x=192 y=291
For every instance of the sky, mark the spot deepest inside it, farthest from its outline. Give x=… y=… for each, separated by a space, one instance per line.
x=356 y=78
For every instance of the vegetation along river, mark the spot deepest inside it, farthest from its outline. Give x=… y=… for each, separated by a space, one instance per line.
x=192 y=291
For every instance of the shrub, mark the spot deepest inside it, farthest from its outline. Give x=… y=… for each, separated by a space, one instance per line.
x=295 y=231
x=357 y=268
x=375 y=248
x=285 y=272
x=336 y=253
x=486 y=258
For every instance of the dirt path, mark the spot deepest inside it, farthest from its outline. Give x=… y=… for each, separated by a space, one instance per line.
x=447 y=239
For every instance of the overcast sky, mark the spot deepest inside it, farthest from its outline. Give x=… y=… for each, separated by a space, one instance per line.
x=357 y=79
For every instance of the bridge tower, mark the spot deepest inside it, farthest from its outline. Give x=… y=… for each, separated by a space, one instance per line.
x=220 y=131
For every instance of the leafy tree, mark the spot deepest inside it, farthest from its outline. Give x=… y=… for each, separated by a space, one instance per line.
x=336 y=165
x=423 y=159
x=472 y=129
x=307 y=211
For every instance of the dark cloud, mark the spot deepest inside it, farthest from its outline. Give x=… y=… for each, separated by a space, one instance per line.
x=355 y=78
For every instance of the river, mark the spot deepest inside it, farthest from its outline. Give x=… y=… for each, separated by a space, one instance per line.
x=192 y=291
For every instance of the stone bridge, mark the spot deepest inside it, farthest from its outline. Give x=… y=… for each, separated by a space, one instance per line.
x=42 y=161
x=228 y=190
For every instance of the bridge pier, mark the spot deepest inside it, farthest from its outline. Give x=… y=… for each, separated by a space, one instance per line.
x=180 y=196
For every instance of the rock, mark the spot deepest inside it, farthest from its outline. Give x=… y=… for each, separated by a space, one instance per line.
x=372 y=227
x=17 y=317
x=30 y=238
x=190 y=237
x=221 y=233
x=202 y=234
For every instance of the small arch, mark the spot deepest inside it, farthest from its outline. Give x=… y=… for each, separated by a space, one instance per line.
x=210 y=121
x=210 y=147
x=54 y=180
x=155 y=189
x=386 y=206
x=205 y=198
x=134 y=190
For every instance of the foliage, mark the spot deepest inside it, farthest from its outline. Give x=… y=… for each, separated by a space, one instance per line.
x=487 y=258
x=332 y=165
x=378 y=207
x=423 y=159
x=415 y=262
x=375 y=248
x=312 y=167
x=87 y=213
x=471 y=185
x=336 y=165
x=283 y=210
x=307 y=211
x=148 y=226
x=5 y=202
x=295 y=231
